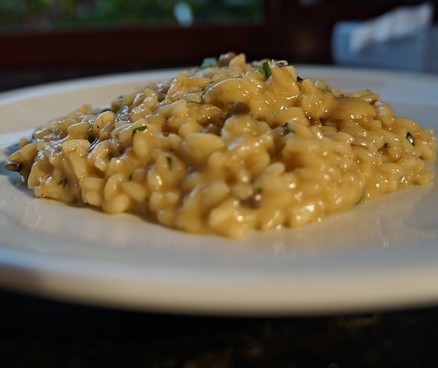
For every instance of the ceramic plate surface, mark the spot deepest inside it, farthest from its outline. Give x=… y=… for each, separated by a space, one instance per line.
x=376 y=256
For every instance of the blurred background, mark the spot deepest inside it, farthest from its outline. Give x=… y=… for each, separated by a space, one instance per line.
x=48 y=40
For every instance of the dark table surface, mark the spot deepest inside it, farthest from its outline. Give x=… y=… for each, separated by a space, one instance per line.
x=38 y=332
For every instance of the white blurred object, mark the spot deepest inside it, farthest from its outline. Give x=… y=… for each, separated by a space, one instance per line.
x=398 y=23
x=183 y=14
x=404 y=38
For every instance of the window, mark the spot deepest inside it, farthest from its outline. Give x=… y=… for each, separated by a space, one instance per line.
x=18 y=15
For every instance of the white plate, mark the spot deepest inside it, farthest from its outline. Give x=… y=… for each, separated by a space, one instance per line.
x=380 y=255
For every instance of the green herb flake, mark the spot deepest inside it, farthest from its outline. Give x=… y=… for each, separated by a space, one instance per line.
x=258 y=190
x=169 y=162
x=286 y=129
x=139 y=129
x=208 y=62
x=265 y=69
x=410 y=138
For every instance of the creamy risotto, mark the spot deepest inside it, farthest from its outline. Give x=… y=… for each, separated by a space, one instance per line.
x=228 y=147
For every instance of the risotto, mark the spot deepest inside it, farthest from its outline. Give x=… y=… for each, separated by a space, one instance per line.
x=228 y=147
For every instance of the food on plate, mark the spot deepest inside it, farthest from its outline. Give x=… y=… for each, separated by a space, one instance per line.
x=228 y=147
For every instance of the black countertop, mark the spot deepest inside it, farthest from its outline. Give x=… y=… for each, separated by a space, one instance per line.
x=38 y=332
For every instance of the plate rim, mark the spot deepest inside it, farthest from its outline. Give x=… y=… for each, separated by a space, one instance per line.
x=17 y=264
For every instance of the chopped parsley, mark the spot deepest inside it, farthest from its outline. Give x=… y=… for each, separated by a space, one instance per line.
x=139 y=129
x=208 y=62
x=258 y=190
x=169 y=162
x=265 y=69
x=286 y=129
